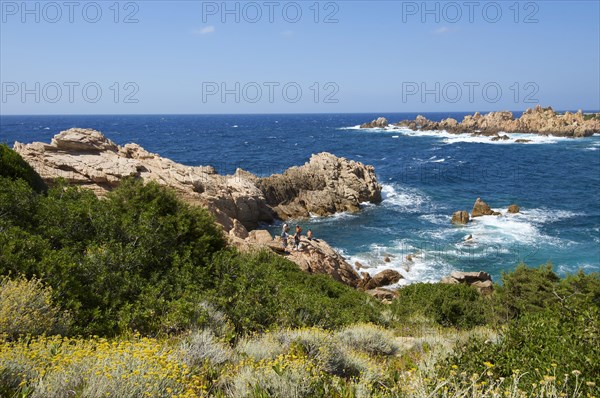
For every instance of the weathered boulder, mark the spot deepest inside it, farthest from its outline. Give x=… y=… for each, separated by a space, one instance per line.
x=380 y=122
x=386 y=296
x=482 y=281
x=81 y=140
x=480 y=208
x=238 y=230
x=323 y=186
x=317 y=257
x=383 y=278
x=514 y=209
x=460 y=217
x=259 y=237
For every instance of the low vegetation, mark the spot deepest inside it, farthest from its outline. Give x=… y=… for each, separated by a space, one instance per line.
x=137 y=294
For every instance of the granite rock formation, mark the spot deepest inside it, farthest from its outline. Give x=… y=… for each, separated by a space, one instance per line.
x=539 y=120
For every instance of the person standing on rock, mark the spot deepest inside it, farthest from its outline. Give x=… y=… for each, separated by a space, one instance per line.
x=284 y=235
x=297 y=235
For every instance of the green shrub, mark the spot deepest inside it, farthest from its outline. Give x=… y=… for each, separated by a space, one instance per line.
x=14 y=167
x=527 y=290
x=555 y=330
x=26 y=308
x=288 y=297
x=448 y=305
x=18 y=203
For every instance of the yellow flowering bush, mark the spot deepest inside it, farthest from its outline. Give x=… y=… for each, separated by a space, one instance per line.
x=60 y=367
x=26 y=307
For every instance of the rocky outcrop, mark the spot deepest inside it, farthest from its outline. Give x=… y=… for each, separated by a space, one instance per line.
x=460 y=217
x=88 y=159
x=239 y=202
x=315 y=257
x=533 y=121
x=384 y=278
x=514 y=209
x=482 y=281
x=323 y=186
x=377 y=123
x=480 y=208
x=386 y=296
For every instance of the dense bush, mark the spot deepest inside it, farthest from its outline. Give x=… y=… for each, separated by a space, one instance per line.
x=261 y=289
x=448 y=305
x=141 y=259
x=14 y=167
x=130 y=261
x=555 y=331
x=527 y=290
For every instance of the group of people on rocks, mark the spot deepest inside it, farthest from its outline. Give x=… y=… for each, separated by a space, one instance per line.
x=297 y=244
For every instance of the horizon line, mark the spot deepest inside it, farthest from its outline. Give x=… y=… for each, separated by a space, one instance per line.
x=278 y=113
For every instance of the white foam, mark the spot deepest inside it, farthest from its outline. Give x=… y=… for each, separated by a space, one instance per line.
x=481 y=139
x=407 y=200
x=594 y=147
x=332 y=218
x=544 y=215
x=387 y=129
x=451 y=138
x=439 y=219
x=234 y=126
x=424 y=267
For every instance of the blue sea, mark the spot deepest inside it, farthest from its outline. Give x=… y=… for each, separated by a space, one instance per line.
x=426 y=176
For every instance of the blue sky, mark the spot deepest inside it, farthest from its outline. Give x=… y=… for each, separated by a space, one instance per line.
x=370 y=56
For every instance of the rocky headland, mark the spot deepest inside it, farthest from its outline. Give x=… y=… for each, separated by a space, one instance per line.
x=544 y=121
x=323 y=186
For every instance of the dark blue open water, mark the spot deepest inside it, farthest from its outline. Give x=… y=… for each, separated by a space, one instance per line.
x=426 y=177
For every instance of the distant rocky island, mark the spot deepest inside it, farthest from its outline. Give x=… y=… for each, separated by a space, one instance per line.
x=544 y=121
